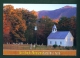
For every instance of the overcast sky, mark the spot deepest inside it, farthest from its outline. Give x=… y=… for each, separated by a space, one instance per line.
x=38 y=7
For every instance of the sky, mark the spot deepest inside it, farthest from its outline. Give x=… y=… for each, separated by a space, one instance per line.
x=39 y=7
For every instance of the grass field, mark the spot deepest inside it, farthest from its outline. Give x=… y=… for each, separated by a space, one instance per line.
x=27 y=47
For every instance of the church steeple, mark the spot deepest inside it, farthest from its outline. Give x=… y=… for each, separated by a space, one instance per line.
x=54 y=29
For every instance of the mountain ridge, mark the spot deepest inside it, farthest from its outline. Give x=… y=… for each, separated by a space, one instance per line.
x=66 y=11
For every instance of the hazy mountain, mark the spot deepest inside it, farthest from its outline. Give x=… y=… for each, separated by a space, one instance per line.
x=66 y=11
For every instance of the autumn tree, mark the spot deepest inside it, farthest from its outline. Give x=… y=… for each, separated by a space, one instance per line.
x=34 y=13
x=6 y=30
x=18 y=25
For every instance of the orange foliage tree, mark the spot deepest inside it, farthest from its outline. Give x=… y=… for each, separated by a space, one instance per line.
x=18 y=25
x=6 y=29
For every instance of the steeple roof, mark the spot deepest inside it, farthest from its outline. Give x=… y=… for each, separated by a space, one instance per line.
x=54 y=29
x=54 y=26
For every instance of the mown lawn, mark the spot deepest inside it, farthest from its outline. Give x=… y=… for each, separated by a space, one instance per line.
x=27 y=47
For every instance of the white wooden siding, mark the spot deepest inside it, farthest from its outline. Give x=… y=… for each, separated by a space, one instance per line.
x=69 y=42
x=55 y=40
x=65 y=42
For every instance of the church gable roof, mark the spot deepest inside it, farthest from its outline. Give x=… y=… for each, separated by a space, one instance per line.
x=58 y=35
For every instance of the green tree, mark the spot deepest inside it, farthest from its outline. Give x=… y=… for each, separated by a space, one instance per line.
x=30 y=19
x=44 y=29
x=73 y=28
x=68 y=24
x=63 y=24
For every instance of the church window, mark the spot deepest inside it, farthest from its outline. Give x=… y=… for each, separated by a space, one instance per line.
x=71 y=39
x=55 y=42
x=60 y=43
x=50 y=42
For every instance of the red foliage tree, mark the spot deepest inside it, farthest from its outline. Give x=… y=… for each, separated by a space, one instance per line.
x=6 y=29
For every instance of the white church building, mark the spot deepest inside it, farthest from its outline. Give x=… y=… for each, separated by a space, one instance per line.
x=62 y=38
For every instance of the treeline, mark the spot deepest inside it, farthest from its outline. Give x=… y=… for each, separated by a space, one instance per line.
x=68 y=24
x=18 y=26
x=16 y=23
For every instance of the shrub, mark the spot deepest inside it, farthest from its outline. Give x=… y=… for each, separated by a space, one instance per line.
x=67 y=48
x=59 y=46
x=55 y=46
x=73 y=47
